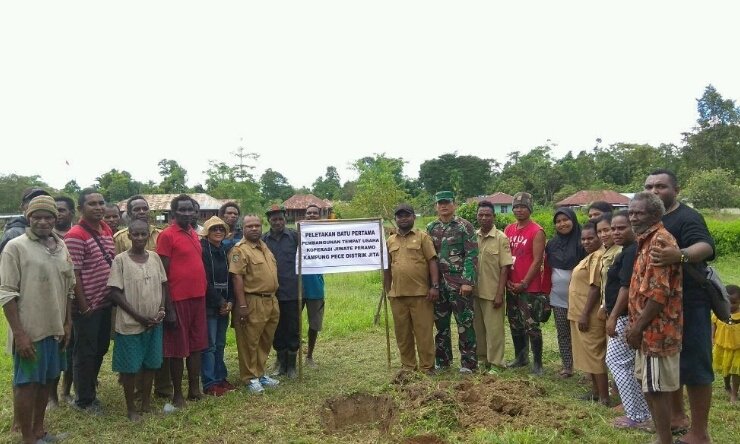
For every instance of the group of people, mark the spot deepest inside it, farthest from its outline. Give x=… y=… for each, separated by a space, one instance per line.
x=617 y=285
x=166 y=298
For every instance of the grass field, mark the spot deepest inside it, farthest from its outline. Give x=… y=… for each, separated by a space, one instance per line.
x=352 y=358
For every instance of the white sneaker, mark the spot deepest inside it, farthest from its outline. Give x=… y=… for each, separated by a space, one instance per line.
x=465 y=371
x=255 y=387
x=266 y=381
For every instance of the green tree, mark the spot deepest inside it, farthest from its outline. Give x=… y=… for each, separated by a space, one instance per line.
x=226 y=182
x=275 y=186
x=713 y=189
x=533 y=172
x=379 y=187
x=71 y=188
x=715 y=141
x=11 y=189
x=117 y=185
x=328 y=186
x=466 y=176
x=174 y=177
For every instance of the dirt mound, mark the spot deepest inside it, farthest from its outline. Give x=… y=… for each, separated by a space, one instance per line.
x=359 y=408
x=485 y=402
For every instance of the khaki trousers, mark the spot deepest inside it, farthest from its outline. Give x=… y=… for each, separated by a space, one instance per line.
x=489 y=331
x=413 y=321
x=254 y=337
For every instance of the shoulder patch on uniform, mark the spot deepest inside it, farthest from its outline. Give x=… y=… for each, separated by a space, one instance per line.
x=235 y=258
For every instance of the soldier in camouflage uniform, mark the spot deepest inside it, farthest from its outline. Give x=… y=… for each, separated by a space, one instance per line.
x=457 y=250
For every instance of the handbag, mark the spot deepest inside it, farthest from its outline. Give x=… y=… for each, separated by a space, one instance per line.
x=719 y=299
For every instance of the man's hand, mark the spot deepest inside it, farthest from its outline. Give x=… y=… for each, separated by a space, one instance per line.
x=634 y=338
x=611 y=327
x=664 y=255
x=432 y=294
x=512 y=287
x=67 y=335
x=583 y=323
x=225 y=309
x=466 y=290
x=498 y=301
x=243 y=312
x=24 y=346
x=84 y=308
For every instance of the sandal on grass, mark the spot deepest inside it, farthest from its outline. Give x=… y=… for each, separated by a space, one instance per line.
x=624 y=422
x=564 y=373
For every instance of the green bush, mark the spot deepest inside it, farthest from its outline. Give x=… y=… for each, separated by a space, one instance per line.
x=726 y=236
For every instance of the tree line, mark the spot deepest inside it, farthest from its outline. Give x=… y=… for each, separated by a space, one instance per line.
x=707 y=161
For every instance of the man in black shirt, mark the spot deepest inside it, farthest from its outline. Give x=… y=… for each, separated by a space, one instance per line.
x=696 y=246
x=283 y=242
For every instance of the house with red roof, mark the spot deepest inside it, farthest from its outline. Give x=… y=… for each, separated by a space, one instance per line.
x=584 y=198
x=295 y=206
x=501 y=201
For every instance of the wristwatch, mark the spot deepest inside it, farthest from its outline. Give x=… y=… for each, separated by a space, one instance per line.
x=435 y=286
x=684 y=256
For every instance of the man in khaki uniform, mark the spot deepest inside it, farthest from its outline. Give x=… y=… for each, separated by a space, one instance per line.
x=257 y=312
x=137 y=208
x=412 y=281
x=494 y=259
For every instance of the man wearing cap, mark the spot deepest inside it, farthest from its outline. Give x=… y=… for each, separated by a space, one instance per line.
x=494 y=260
x=313 y=298
x=254 y=272
x=283 y=243
x=412 y=284
x=36 y=291
x=526 y=300
x=17 y=226
x=456 y=244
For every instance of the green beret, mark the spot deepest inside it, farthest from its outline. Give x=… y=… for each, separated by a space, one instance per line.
x=444 y=195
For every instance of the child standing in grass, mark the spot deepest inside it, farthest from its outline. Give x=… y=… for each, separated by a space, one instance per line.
x=138 y=286
x=726 y=350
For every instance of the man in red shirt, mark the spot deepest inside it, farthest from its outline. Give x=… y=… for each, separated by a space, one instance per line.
x=181 y=254
x=90 y=245
x=526 y=299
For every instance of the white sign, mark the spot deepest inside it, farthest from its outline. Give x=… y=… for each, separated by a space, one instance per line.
x=341 y=246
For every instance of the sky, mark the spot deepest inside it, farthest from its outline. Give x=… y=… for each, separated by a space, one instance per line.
x=86 y=86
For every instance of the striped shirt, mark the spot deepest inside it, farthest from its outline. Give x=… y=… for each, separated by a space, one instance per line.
x=88 y=259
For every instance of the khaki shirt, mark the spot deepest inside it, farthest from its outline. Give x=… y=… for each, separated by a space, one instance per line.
x=585 y=274
x=123 y=243
x=40 y=280
x=494 y=252
x=409 y=262
x=257 y=266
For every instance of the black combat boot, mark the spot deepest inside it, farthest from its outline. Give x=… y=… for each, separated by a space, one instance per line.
x=521 y=351
x=280 y=368
x=290 y=361
x=537 y=355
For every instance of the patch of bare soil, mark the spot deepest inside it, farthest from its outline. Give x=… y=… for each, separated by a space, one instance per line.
x=485 y=402
x=359 y=408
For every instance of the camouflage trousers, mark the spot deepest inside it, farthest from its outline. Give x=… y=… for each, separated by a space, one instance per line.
x=452 y=302
x=526 y=311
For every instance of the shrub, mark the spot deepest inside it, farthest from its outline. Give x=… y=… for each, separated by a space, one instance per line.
x=726 y=236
